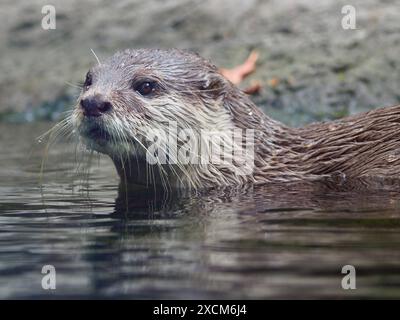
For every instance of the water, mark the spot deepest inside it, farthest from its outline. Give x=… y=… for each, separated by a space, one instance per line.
x=268 y=242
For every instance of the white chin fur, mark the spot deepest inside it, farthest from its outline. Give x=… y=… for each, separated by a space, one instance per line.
x=110 y=148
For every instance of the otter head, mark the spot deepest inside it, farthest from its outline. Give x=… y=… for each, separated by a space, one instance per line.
x=135 y=95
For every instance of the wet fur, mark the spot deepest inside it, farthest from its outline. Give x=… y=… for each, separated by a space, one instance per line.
x=193 y=93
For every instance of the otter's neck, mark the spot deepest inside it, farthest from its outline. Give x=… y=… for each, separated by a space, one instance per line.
x=364 y=145
x=278 y=149
x=137 y=171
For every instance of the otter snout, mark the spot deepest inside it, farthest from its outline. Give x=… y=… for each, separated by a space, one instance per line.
x=95 y=106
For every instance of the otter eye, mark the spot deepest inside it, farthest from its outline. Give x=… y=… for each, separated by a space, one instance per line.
x=88 y=80
x=145 y=88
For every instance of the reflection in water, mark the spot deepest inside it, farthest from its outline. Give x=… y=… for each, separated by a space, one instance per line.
x=286 y=241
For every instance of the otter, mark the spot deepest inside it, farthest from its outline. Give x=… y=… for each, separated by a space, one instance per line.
x=128 y=100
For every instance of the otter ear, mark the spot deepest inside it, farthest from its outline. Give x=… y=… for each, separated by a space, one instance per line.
x=213 y=84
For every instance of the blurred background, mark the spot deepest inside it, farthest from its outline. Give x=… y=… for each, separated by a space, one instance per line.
x=310 y=68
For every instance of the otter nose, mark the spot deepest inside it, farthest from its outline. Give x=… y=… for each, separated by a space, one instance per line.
x=94 y=106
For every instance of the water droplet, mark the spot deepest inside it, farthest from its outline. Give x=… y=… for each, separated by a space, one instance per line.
x=309 y=143
x=392 y=158
x=332 y=127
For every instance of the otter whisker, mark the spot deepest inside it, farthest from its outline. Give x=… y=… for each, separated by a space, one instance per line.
x=77 y=86
x=57 y=131
x=95 y=55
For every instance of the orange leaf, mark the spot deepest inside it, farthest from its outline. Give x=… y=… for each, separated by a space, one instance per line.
x=237 y=74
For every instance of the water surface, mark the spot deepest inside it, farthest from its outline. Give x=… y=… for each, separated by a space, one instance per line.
x=267 y=242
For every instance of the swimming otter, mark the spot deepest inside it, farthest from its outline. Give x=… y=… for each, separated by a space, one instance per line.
x=130 y=98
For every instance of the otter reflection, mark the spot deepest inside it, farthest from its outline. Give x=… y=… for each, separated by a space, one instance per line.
x=334 y=192
x=270 y=241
